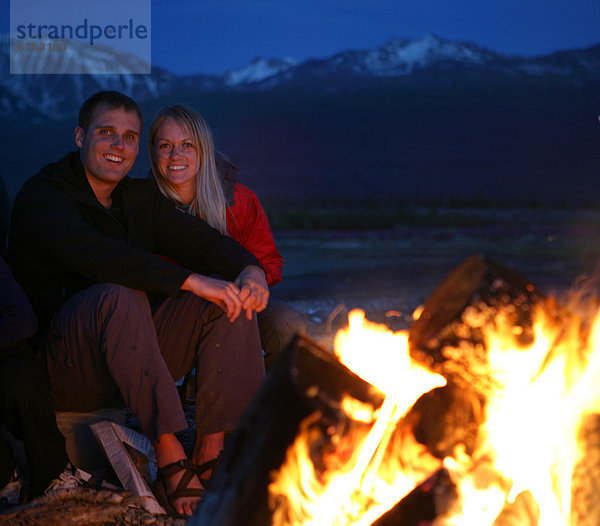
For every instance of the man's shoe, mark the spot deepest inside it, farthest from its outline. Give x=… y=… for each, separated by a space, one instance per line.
x=70 y=478
x=14 y=492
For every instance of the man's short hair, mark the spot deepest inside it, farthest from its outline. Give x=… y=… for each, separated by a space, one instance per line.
x=111 y=100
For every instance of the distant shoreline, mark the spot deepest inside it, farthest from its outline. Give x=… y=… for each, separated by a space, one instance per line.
x=385 y=214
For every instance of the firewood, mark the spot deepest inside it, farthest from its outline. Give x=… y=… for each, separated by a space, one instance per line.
x=422 y=505
x=445 y=418
x=306 y=380
x=448 y=337
x=585 y=505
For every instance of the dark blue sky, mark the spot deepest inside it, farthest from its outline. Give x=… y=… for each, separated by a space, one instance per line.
x=215 y=35
x=209 y=36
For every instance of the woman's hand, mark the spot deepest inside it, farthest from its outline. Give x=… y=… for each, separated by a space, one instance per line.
x=254 y=291
x=225 y=294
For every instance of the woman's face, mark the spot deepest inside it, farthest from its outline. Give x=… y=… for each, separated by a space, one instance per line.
x=176 y=154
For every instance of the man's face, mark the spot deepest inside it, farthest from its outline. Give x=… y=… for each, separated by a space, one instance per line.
x=109 y=147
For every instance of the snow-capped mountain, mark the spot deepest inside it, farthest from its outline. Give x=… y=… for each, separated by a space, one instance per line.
x=431 y=57
x=397 y=57
x=431 y=54
x=60 y=92
x=402 y=56
x=259 y=69
x=578 y=64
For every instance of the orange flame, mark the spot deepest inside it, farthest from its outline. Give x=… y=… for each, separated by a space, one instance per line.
x=526 y=449
x=362 y=487
x=528 y=443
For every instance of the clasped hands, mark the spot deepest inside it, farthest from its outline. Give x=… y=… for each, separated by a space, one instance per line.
x=249 y=292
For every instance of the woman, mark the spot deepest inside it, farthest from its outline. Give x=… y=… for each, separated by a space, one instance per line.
x=203 y=183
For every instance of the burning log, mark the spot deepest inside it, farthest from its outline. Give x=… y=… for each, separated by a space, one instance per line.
x=480 y=299
x=585 y=508
x=306 y=380
x=302 y=394
x=423 y=504
x=448 y=336
x=444 y=418
x=477 y=330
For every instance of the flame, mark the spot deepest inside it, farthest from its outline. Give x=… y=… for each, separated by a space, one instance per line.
x=369 y=479
x=527 y=445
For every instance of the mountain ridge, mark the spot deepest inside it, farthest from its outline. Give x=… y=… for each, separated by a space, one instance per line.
x=430 y=57
x=411 y=120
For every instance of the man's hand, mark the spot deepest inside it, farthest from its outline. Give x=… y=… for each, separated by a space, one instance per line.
x=224 y=293
x=254 y=291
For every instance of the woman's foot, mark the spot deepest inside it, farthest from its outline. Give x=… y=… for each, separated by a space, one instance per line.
x=207 y=450
x=182 y=486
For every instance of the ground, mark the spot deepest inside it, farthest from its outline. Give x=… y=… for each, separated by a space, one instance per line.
x=388 y=274
x=394 y=271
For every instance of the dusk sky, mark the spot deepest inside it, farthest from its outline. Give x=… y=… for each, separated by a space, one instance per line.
x=210 y=36
x=215 y=35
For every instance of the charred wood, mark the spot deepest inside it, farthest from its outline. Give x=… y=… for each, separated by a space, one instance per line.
x=428 y=500
x=585 y=505
x=305 y=381
x=448 y=337
x=443 y=418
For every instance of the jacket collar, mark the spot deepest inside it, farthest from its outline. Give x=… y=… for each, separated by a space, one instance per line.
x=69 y=174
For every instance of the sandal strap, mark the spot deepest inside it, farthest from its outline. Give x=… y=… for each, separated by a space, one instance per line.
x=208 y=465
x=175 y=467
x=182 y=489
x=189 y=474
x=184 y=492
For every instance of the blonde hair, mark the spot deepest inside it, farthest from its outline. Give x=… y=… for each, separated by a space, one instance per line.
x=209 y=202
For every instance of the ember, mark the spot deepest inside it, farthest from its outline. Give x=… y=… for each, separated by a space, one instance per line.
x=476 y=412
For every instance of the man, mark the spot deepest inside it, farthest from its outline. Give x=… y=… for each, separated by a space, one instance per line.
x=25 y=408
x=82 y=244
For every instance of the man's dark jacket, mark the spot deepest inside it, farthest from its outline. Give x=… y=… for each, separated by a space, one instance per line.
x=62 y=240
x=17 y=319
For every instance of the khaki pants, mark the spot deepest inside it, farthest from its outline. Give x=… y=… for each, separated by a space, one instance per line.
x=106 y=348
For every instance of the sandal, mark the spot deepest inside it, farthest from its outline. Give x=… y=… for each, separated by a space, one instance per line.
x=160 y=486
x=209 y=465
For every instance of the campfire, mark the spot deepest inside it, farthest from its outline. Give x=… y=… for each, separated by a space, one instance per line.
x=484 y=413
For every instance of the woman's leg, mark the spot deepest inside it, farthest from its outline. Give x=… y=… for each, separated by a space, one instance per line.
x=278 y=324
x=193 y=332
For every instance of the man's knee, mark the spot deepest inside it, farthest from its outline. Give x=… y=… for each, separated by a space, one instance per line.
x=97 y=338
x=118 y=298
x=101 y=303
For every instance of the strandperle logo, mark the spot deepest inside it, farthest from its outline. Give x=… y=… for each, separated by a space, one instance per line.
x=80 y=37
x=85 y=31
